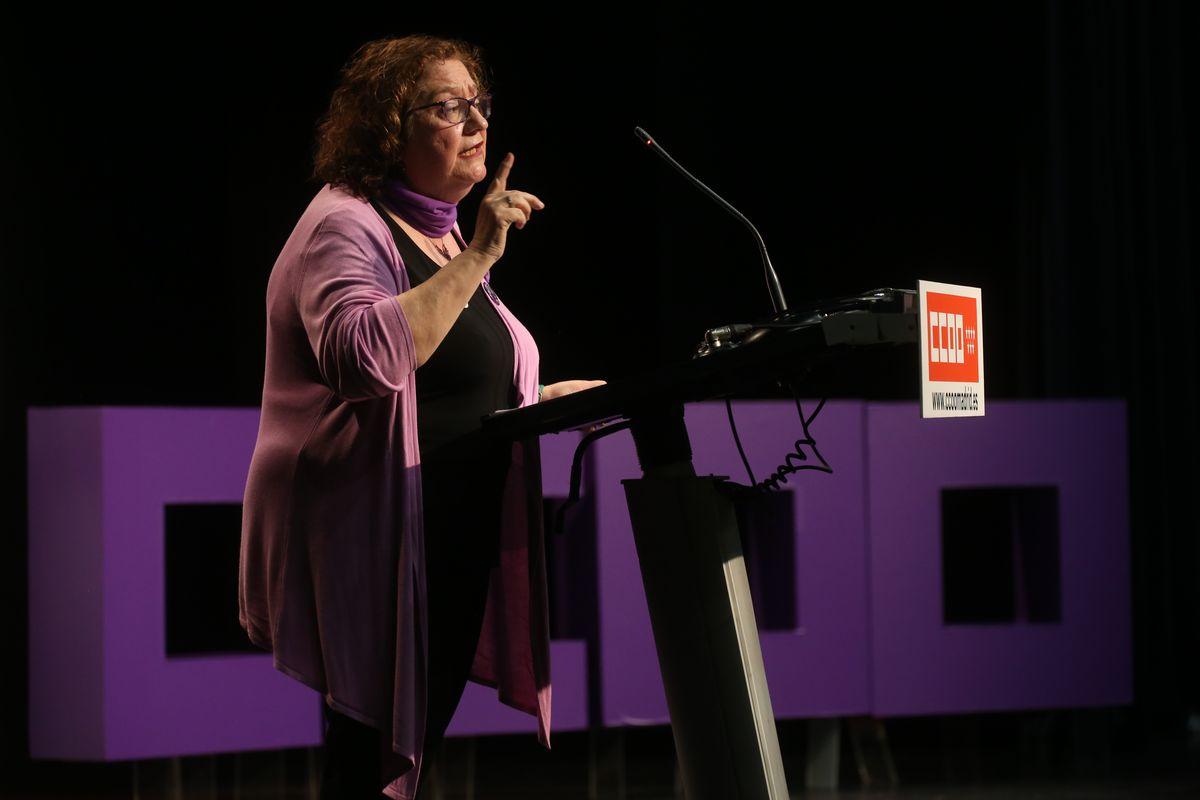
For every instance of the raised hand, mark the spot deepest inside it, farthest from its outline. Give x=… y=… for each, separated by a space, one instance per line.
x=501 y=208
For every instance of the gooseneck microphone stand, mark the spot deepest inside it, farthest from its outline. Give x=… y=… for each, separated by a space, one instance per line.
x=777 y=301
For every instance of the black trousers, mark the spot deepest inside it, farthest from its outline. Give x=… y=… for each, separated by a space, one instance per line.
x=461 y=546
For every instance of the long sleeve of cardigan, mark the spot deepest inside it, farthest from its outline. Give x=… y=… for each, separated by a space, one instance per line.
x=347 y=301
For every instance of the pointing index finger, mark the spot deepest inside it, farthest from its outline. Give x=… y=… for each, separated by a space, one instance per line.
x=500 y=182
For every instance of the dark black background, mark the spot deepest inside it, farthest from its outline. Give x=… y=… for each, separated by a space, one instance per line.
x=1043 y=151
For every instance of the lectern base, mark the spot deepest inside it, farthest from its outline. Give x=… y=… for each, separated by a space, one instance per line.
x=707 y=639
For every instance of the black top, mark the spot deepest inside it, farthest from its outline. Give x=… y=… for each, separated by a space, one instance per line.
x=468 y=376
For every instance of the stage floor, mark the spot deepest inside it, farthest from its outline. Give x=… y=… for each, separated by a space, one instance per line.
x=1057 y=755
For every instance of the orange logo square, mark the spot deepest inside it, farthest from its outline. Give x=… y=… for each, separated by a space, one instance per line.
x=952 y=326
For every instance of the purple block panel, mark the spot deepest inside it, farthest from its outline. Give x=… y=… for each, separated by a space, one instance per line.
x=101 y=685
x=479 y=712
x=923 y=666
x=820 y=667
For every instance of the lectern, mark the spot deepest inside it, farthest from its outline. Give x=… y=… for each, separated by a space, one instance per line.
x=687 y=537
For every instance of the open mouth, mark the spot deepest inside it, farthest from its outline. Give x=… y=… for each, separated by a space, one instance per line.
x=472 y=151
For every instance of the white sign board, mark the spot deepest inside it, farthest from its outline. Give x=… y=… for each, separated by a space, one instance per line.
x=951 y=322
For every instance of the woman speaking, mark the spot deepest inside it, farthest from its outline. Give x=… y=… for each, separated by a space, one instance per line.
x=390 y=552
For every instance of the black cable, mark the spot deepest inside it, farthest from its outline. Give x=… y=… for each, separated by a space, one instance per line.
x=808 y=422
x=577 y=470
x=772 y=482
x=779 y=476
x=738 y=440
x=794 y=461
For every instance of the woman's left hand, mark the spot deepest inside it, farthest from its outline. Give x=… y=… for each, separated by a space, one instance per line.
x=553 y=390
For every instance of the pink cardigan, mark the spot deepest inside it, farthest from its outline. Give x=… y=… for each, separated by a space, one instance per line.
x=332 y=576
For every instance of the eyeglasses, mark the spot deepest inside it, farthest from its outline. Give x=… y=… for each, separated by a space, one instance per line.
x=457 y=109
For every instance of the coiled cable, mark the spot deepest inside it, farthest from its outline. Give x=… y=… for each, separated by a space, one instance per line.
x=794 y=461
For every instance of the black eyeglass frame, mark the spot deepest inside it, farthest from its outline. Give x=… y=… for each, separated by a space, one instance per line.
x=472 y=102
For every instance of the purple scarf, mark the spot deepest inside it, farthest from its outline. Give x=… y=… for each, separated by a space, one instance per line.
x=430 y=216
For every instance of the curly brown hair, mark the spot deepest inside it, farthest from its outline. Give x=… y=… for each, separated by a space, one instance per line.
x=361 y=137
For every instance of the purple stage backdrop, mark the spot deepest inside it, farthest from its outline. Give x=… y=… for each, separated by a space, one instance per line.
x=101 y=684
x=855 y=574
x=1081 y=658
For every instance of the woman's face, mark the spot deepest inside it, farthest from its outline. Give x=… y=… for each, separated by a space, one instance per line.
x=441 y=159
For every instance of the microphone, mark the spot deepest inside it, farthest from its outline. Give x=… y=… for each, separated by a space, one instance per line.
x=777 y=301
